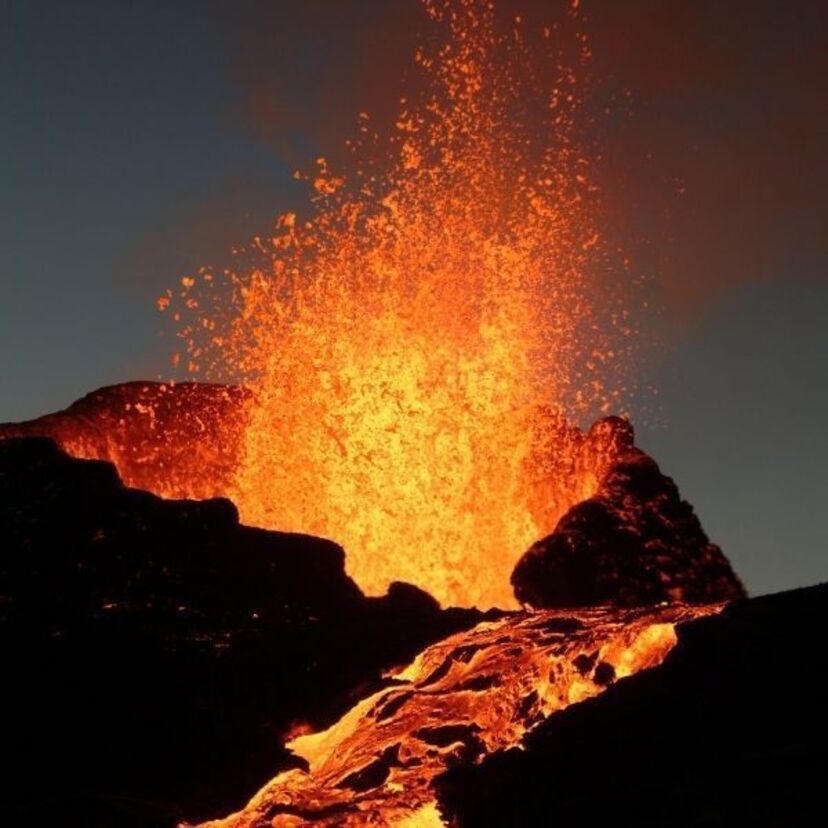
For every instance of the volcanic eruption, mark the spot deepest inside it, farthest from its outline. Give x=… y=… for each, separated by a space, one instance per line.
x=414 y=350
x=411 y=344
x=406 y=371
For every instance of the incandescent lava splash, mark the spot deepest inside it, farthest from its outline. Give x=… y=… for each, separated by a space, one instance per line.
x=406 y=341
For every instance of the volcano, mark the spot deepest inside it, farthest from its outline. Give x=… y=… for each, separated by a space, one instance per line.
x=371 y=564
x=185 y=441
x=197 y=658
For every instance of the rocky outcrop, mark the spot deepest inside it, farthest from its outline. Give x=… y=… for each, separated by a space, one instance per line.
x=730 y=730
x=177 y=440
x=156 y=652
x=182 y=649
x=633 y=542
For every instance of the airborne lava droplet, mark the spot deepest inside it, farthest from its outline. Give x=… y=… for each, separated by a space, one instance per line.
x=407 y=344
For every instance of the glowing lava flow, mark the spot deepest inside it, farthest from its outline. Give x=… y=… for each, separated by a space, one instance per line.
x=461 y=699
x=401 y=342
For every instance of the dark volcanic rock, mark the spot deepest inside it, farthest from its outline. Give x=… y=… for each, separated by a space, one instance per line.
x=635 y=542
x=155 y=651
x=730 y=730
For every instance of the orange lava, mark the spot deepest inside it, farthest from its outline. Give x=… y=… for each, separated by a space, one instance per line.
x=177 y=441
x=407 y=342
x=461 y=699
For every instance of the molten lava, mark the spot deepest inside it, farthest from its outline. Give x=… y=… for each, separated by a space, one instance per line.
x=463 y=698
x=406 y=343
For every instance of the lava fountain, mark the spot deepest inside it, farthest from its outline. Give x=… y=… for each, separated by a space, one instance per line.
x=407 y=342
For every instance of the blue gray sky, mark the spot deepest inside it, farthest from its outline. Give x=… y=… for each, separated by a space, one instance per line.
x=142 y=140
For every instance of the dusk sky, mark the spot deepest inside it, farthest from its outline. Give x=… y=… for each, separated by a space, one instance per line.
x=142 y=140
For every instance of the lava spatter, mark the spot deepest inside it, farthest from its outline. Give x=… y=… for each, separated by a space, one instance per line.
x=402 y=340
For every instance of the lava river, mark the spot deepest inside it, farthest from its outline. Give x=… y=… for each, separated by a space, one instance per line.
x=463 y=698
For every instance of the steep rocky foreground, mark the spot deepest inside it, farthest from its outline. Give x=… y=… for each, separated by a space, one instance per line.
x=158 y=655
x=156 y=652
x=731 y=729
